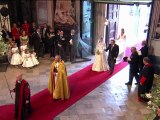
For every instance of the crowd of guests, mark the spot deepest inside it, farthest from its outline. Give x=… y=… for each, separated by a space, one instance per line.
x=26 y=38
x=140 y=65
x=29 y=42
x=141 y=68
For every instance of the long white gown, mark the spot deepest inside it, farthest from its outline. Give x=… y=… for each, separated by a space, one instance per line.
x=23 y=48
x=100 y=62
x=34 y=59
x=121 y=42
x=27 y=61
x=16 y=58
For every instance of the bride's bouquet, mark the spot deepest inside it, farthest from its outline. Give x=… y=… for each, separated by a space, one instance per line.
x=97 y=52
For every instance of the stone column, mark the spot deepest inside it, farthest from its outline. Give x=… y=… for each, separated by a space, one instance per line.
x=77 y=10
x=50 y=9
x=45 y=12
x=154 y=19
x=99 y=20
x=153 y=43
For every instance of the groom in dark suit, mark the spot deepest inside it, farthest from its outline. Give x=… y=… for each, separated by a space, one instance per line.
x=113 y=53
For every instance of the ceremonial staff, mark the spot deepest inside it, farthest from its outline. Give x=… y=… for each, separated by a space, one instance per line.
x=8 y=86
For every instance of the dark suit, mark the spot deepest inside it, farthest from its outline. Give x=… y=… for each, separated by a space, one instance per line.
x=37 y=44
x=113 y=53
x=32 y=31
x=72 y=49
x=62 y=50
x=144 y=52
x=45 y=38
x=51 y=43
x=134 y=69
x=56 y=43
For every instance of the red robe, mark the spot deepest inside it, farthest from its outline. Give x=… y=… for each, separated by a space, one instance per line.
x=26 y=28
x=22 y=91
x=146 y=80
x=15 y=33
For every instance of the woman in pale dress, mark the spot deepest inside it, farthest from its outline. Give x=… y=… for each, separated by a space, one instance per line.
x=16 y=58
x=34 y=58
x=121 y=41
x=27 y=61
x=100 y=62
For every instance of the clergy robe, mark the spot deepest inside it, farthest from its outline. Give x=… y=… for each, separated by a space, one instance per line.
x=146 y=80
x=22 y=100
x=58 y=84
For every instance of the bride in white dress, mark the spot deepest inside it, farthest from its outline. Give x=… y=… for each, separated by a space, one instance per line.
x=100 y=62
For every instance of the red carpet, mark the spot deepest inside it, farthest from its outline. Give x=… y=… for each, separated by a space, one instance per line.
x=81 y=83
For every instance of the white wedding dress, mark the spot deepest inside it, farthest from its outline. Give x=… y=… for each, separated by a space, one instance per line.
x=100 y=62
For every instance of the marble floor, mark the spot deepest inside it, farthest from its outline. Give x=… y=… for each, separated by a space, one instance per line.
x=113 y=100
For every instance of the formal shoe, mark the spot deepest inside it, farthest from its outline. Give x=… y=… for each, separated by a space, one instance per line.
x=111 y=73
x=136 y=83
x=128 y=83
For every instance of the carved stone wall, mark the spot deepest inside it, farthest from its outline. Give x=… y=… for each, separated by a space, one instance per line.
x=45 y=12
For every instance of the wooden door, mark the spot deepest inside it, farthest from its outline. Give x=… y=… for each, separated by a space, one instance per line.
x=112 y=17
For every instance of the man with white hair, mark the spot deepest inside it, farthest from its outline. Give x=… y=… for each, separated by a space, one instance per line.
x=143 y=53
x=146 y=79
x=58 y=85
x=133 y=66
x=22 y=98
x=72 y=45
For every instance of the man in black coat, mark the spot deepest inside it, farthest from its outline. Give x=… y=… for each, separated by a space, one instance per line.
x=57 y=37
x=113 y=53
x=32 y=30
x=143 y=53
x=51 y=43
x=134 y=69
x=37 y=43
x=72 y=45
x=45 y=33
x=146 y=79
x=62 y=46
